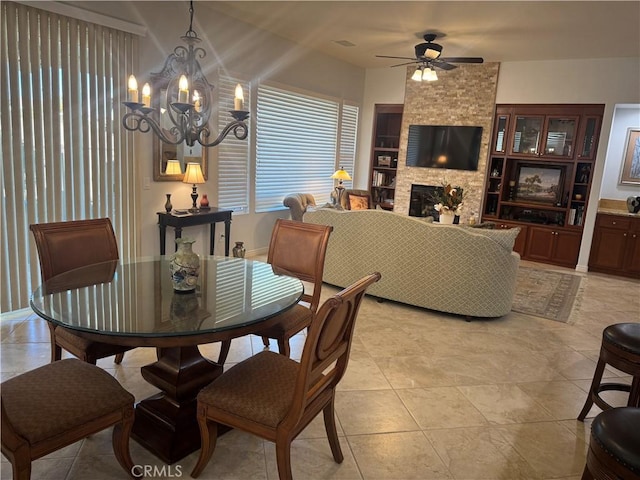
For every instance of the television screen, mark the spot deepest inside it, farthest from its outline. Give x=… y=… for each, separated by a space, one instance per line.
x=441 y=146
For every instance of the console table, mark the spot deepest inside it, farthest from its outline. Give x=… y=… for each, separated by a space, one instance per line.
x=179 y=221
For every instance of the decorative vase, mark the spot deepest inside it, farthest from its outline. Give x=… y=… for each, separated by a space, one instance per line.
x=239 y=250
x=633 y=204
x=168 y=206
x=184 y=266
x=204 y=202
x=447 y=217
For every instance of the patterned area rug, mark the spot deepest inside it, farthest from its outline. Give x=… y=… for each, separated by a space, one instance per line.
x=545 y=293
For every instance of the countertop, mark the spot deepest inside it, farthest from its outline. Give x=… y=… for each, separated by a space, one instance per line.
x=615 y=207
x=621 y=213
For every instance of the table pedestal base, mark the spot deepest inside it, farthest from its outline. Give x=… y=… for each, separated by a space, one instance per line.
x=165 y=423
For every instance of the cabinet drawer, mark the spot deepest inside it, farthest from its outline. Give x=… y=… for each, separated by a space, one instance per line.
x=613 y=221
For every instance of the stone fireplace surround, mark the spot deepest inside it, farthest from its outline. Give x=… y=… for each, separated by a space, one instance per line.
x=463 y=96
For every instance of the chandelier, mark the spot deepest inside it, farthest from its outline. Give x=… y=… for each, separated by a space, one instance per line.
x=185 y=105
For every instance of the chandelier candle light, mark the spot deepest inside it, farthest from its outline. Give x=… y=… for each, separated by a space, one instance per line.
x=187 y=103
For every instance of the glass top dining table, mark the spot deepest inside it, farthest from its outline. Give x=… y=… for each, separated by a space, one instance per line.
x=133 y=304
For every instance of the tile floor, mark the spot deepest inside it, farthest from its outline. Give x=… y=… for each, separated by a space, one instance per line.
x=426 y=396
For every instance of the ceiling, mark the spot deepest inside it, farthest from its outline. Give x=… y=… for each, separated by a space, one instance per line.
x=497 y=31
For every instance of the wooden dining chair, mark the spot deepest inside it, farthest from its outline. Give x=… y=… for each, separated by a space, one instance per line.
x=55 y=405
x=274 y=397
x=297 y=249
x=65 y=246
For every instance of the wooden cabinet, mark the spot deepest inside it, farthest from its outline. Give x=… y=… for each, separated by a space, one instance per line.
x=521 y=239
x=616 y=245
x=539 y=175
x=387 y=123
x=553 y=245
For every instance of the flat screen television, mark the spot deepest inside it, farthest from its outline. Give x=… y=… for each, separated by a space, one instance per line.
x=442 y=146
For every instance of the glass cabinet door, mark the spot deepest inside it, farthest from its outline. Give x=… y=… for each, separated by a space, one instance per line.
x=526 y=135
x=588 y=141
x=560 y=136
x=500 y=142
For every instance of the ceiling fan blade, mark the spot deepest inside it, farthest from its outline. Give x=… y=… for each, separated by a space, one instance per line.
x=401 y=58
x=443 y=65
x=401 y=64
x=463 y=59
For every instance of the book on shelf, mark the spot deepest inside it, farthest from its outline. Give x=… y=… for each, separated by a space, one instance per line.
x=572 y=216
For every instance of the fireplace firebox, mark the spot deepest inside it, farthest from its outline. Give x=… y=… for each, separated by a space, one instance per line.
x=421 y=202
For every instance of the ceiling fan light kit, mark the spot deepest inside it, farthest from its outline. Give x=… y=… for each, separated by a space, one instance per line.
x=428 y=57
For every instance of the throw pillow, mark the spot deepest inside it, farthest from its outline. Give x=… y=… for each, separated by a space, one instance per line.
x=358 y=203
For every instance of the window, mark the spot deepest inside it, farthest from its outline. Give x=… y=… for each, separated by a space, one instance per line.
x=65 y=156
x=233 y=154
x=300 y=141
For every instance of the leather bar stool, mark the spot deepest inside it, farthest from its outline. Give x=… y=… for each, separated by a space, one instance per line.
x=614 y=446
x=620 y=349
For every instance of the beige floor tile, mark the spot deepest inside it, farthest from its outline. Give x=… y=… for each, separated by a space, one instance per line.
x=443 y=407
x=504 y=404
x=312 y=459
x=562 y=399
x=479 y=453
x=43 y=469
x=403 y=455
x=372 y=411
x=363 y=374
x=548 y=447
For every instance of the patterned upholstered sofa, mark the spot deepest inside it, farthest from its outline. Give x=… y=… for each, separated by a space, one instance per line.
x=449 y=268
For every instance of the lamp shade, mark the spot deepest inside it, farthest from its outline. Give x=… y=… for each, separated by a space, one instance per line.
x=341 y=175
x=193 y=174
x=417 y=75
x=173 y=168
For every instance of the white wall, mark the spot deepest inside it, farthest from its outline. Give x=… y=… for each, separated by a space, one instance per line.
x=625 y=116
x=604 y=81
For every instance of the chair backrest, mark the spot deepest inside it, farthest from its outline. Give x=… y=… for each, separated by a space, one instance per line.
x=358 y=199
x=64 y=246
x=326 y=351
x=298 y=249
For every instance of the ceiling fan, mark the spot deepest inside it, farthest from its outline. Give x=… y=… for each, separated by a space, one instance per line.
x=428 y=56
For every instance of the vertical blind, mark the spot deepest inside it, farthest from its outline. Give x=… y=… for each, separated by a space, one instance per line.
x=233 y=154
x=298 y=144
x=65 y=156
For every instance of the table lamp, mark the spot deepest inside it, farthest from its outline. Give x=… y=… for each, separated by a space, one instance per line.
x=193 y=175
x=173 y=168
x=340 y=175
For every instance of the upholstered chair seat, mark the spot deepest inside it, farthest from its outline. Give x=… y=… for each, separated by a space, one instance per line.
x=614 y=446
x=53 y=406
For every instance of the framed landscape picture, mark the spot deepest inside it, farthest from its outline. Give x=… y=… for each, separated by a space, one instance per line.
x=630 y=174
x=539 y=184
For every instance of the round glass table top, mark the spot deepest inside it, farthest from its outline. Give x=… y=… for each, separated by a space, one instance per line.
x=137 y=299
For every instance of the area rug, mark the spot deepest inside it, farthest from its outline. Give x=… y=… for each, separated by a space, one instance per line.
x=546 y=293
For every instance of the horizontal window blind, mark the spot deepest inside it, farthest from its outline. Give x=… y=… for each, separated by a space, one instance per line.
x=348 y=135
x=233 y=154
x=296 y=142
x=65 y=156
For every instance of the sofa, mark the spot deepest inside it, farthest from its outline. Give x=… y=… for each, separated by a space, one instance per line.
x=448 y=268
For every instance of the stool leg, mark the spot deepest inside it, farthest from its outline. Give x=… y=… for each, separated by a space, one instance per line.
x=634 y=394
x=597 y=378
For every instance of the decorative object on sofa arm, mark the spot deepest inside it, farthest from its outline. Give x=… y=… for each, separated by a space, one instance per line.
x=338 y=193
x=298 y=203
x=193 y=175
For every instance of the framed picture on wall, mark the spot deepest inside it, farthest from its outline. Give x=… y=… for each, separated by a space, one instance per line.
x=630 y=174
x=539 y=184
